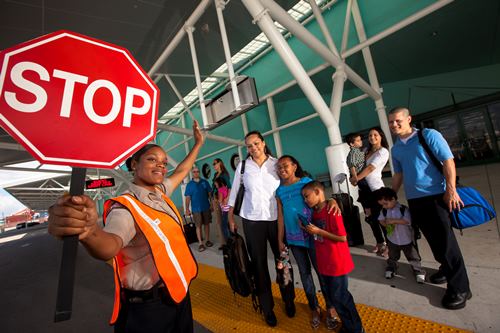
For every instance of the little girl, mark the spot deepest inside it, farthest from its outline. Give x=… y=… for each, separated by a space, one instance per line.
x=290 y=206
x=223 y=196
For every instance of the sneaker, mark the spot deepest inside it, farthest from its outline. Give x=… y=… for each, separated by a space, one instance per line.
x=420 y=278
x=209 y=244
x=270 y=318
x=389 y=274
x=316 y=318
x=201 y=248
x=383 y=250
x=332 y=323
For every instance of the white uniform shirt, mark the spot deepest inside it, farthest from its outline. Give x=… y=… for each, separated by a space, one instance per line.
x=378 y=160
x=259 y=201
x=139 y=271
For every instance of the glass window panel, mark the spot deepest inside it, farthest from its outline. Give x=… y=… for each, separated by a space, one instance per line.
x=478 y=138
x=449 y=129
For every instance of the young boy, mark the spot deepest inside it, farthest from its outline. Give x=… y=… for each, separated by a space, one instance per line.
x=356 y=158
x=333 y=257
x=396 y=218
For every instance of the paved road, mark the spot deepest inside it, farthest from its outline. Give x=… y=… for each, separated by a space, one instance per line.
x=29 y=269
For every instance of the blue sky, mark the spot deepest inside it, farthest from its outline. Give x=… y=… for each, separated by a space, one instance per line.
x=8 y=204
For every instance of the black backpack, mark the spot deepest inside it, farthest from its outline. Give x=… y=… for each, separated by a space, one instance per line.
x=238 y=268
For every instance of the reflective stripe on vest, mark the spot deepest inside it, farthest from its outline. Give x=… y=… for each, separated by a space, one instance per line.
x=172 y=256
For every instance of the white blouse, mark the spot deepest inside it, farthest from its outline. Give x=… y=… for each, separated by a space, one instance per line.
x=259 y=201
x=378 y=160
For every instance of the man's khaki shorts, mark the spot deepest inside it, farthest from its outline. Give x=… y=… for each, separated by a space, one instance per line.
x=204 y=217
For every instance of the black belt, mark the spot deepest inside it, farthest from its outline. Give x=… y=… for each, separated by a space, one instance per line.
x=143 y=296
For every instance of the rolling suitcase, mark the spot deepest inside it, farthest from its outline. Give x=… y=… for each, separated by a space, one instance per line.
x=190 y=230
x=350 y=214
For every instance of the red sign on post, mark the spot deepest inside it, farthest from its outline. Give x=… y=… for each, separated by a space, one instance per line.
x=74 y=100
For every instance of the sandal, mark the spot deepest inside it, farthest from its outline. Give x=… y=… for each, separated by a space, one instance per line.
x=201 y=248
x=332 y=323
x=209 y=243
x=316 y=318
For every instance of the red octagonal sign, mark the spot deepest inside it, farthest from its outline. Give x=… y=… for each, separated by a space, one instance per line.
x=74 y=100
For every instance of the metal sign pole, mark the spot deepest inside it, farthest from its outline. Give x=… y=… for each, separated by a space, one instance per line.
x=66 y=284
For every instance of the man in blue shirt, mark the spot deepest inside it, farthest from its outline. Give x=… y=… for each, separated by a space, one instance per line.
x=431 y=196
x=198 y=194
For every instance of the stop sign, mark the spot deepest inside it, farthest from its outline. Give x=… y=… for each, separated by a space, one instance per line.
x=73 y=100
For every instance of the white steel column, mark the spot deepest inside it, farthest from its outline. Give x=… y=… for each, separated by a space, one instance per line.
x=324 y=29
x=274 y=125
x=310 y=40
x=398 y=26
x=179 y=96
x=219 y=6
x=179 y=36
x=265 y=23
x=208 y=136
x=345 y=35
x=183 y=124
x=189 y=31
x=372 y=74
x=336 y=162
x=244 y=123
x=339 y=78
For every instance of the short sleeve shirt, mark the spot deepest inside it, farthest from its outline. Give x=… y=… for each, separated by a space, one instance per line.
x=199 y=192
x=139 y=271
x=403 y=233
x=421 y=178
x=293 y=204
x=334 y=258
x=356 y=159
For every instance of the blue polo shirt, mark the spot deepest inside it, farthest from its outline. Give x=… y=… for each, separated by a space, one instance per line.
x=420 y=177
x=198 y=191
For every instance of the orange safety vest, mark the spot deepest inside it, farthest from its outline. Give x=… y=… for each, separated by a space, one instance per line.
x=172 y=256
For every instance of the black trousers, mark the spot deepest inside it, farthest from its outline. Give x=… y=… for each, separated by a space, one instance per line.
x=257 y=234
x=431 y=215
x=368 y=200
x=158 y=315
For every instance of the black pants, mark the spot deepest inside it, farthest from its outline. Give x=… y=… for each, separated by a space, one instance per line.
x=368 y=201
x=431 y=215
x=257 y=234
x=158 y=315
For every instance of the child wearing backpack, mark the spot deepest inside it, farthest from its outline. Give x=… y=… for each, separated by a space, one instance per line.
x=333 y=257
x=396 y=218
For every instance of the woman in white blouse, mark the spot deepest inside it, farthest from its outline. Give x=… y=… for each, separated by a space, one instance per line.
x=376 y=158
x=259 y=213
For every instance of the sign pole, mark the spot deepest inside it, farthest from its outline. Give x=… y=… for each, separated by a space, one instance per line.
x=64 y=301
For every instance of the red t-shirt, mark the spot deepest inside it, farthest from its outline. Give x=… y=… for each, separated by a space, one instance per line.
x=334 y=258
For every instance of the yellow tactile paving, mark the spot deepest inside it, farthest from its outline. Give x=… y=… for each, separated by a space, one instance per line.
x=215 y=307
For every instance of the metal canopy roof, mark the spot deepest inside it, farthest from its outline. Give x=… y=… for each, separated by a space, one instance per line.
x=463 y=34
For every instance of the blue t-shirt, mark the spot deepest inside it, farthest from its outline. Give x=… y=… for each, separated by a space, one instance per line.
x=420 y=177
x=293 y=204
x=198 y=191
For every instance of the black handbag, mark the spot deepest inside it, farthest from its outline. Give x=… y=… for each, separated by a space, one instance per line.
x=241 y=192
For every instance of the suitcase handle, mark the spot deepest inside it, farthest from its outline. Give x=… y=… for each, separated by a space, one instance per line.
x=340 y=178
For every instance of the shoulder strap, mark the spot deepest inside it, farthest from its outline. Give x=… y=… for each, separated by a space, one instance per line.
x=242 y=171
x=428 y=150
x=402 y=209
